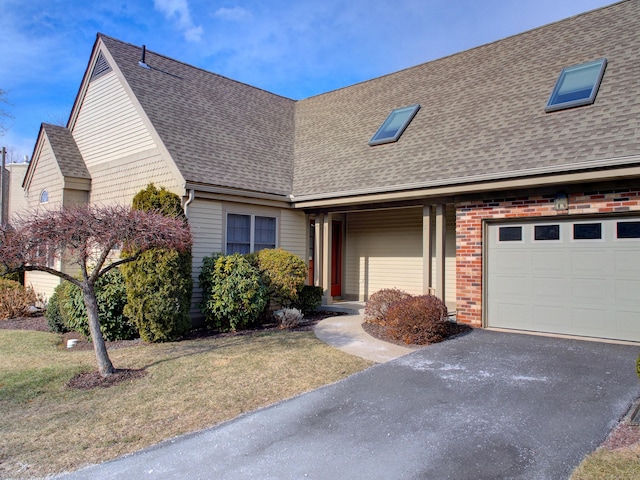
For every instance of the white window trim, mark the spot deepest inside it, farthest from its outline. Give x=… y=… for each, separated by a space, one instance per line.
x=252 y=226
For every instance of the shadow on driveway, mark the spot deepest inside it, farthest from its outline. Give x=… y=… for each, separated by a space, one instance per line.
x=487 y=405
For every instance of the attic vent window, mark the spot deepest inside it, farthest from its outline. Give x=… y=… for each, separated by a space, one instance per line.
x=101 y=68
x=394 y=125
x=577 y=85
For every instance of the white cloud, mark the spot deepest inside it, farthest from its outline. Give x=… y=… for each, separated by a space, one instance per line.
x=179 y=10
x=234 y=13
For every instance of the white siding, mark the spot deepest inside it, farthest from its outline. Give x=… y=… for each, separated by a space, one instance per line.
x=383 y=250
x=43 y=283
x=293 y=232
x=108 y=126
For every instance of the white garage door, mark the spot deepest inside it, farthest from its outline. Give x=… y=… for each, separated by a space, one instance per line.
x=576 y=277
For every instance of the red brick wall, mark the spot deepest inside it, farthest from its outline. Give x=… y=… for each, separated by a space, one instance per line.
x=469 y=216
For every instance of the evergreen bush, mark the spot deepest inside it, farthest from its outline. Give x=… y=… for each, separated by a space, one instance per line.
x=237 y=294
x=159 y=283
x=283 y=273
x=111 y=295
x=53 y=314
x=309 y=299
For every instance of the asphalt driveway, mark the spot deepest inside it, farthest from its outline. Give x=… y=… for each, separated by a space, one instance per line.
x=487 y=405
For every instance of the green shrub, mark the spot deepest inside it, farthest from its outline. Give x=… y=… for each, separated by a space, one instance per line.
x=111 y=296
x=159 y=287
x=237 y=294
x=283 y=273
x=417 y=320
x=309 y=299
x=159 y=283
x=53 y=314
x=376 y=309
x=15 y=300
x=206 y=276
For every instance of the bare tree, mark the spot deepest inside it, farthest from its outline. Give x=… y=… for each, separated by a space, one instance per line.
x=4 y=115
x=90 y=237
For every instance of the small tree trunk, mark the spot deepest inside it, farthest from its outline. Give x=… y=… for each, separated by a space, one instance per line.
x=105 y=367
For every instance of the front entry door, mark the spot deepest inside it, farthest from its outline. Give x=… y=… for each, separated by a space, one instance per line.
x=336 y=258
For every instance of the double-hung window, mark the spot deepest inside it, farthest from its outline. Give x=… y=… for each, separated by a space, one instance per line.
x=250 y=233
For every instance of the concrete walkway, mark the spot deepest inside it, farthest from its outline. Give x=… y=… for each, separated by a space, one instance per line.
x=345 y=333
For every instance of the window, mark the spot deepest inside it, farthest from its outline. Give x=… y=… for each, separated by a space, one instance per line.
x=250 y=233
x=394 y=125
x=587 y=231
x=44 y=197
x=546 y=232
x=628 y=229
x=577 y=85
x=510 y=234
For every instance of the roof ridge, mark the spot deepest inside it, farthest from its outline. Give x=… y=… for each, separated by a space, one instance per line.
x=465 y=51
x=103 y=36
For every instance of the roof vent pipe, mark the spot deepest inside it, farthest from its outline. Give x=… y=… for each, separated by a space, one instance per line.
x=142 y=61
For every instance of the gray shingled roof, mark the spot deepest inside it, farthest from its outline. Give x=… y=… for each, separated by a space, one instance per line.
x=218 y=131
x=482 y=112
x=66 y=151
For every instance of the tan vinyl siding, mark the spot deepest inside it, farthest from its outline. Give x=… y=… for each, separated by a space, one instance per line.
x=43 y=283
x=75 y=197
x=46 y=177
x=383 y=250
x=18 y=202
x=205 y=219
x=450 y=255
x=293 y=232
x=117 y=182
x=108 y=126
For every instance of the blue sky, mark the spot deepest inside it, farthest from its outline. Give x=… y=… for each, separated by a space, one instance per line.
x=293 y=48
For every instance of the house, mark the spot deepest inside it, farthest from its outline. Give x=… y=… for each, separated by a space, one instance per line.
x=506 y=177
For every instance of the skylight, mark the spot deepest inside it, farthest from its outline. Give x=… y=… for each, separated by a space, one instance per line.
x=394 y=125
x=577 y=85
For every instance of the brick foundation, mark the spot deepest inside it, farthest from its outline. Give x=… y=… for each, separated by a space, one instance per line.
x=469 y=217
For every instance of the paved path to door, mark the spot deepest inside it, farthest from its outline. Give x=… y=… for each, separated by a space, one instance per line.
x=487 y=405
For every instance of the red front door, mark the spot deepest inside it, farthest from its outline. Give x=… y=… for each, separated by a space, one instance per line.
x=336 y=258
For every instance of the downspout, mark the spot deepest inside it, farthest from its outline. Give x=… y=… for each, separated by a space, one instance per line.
x=192 y=196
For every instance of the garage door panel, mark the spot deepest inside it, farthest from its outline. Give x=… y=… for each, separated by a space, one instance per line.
x=548 y=262
x=627 y=323
x=552 y=317
x=627 y=262
x=588 y=289
x=627 y=291
x=515 y=314
x=549 y=288
x=577 y=287
x=512 y=261
x=591 y=321
x=513 y=288
x=588 y=262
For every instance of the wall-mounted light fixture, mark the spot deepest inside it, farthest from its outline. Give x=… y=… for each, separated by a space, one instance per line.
x=561 y=201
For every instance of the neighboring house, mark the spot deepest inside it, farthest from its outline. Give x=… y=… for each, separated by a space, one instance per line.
x=520 y=208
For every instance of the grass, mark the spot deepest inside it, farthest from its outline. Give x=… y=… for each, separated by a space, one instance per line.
x=622 y=464
x=47 y=428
